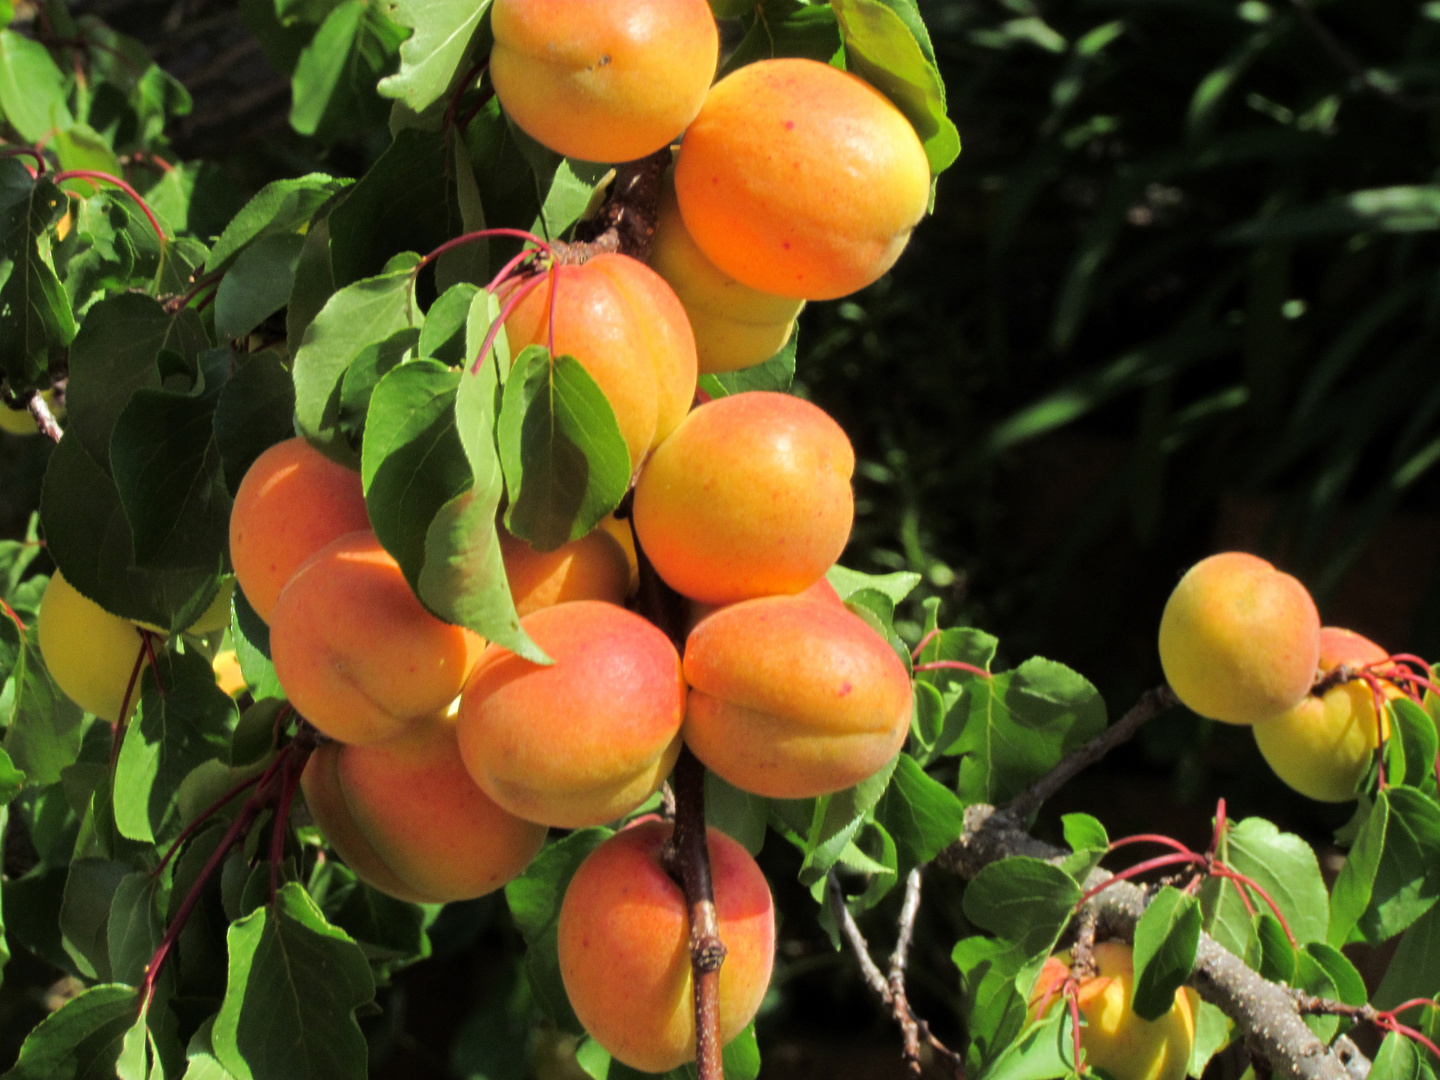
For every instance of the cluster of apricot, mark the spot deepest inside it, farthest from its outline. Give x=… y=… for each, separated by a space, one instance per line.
x=1242 y=643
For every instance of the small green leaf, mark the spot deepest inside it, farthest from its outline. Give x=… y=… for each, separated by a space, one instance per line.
x=32 y=88
x=1024 y=900
x=282 y=206
x=1088 y=843
x=836 y=820
x=777 y=373
x=257 y=285
x=83 y=1038
x=1166 y=939
x=256 y=409
x=847 y=582
x=443 y=336
x=333 y=86
x=294 y=984
x=443 y=32
x=44 y=728
x=566 y=464
x=1413 y=973
x=1273 y=956
x=85 y=914
x=922 y=814
x=739 y=814
x=36 y=321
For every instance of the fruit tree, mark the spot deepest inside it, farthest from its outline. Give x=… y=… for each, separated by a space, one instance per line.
x=453 y=531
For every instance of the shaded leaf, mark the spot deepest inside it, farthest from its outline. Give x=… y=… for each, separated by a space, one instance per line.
x=1166 y=939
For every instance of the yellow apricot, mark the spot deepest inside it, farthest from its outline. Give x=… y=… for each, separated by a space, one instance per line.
x=228 y=675
x=291 y=503
x=357 y=653
x=591 y=568
x=624 y=946
x=1114 y=1038
x=418 y=813
x=625 y=537
x=582 y=741
x=90 y=653
x=793 y=697
x=735 y=326
x=1239 y=640
x=603 y=80
x=1323 y=746
x=749 y=497
x=801 y=180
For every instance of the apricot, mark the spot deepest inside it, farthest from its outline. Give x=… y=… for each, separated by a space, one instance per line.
x=357 y=653
x=603 y=80
x=624 y=946
x=792 y=697
x=735 y=326
x=1114 y=1038
x=801 y=180
x=1322 y=746
x=624 y=325
x=409 y=806
x=89 y=652
x=822 y=591
x=291 y=503
x=587 y=739
x=1239 y=640
x=228 y=675
x=591 y=568
x=749 y=497
x=625 y=537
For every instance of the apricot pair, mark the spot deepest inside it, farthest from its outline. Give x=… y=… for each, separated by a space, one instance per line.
x=624 y=946
x=1114 y=1037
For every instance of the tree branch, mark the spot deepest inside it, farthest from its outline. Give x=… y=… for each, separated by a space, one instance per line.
x=44 y=418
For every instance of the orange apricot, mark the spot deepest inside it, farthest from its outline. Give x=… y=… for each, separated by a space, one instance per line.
x=357 y=653
x=1322 y=746
x=624 y=325
x=735 y=326
x=624 y=936
x=800 y=179
x=1239 y=640
x=590 y=737
x=749 y=497
x=1115 y=1038
x=408 y=806
x=292 y=502
x=591 y=568
x=792 y=697
x=603 y=80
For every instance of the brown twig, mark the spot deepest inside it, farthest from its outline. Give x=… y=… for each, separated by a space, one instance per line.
x=625 y=221
x=687 y=859
x=44 y=418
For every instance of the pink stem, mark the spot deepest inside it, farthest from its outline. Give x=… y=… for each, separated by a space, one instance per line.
x=1140 y=868
x=952 y=665
x=90 y=174
x=505 y=271
x=118 y=732
x=1150 y=838
x=204 y=816
x=931 y=636
x=510 y=305
x=482 y=234
x=29 y=151
x=1245 y=881
x=11 y=613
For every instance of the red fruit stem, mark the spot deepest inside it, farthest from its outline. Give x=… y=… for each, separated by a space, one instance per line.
x=118 y=732
x=481 y=234
x=1139 y=868
x=929 y=637
x=510 y=305
x=1072 y=995
x=1377 y=696
x=1221 y=824
x=145 y=637
x=475 y=69
x=195 y=290
x=204 y=816
x=1150 y=838
x=91 y=174
x=27 y=151
x=13 y=617
x=952 y=665
x=1413 y=1003
x=1245 y=881
x=508 y=269
x=289 y=781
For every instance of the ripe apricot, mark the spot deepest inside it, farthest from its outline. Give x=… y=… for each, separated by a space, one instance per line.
x=1114 y=1038
x=291 y=503
x=735 y=326
x=587 y=739
x=1322 y=746
x=228 y=675
x=603 y=80
x=749 y=497
x=792 y=697
x=624 y=946
x=591 y=568
x=625 y=537
x=800 y=179
x=89 y=652
x=624 y=325
x=1239 y=640
x=357 y=653
x=409 y=805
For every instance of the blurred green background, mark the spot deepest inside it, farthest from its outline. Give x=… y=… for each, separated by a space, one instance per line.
x=1181 y=293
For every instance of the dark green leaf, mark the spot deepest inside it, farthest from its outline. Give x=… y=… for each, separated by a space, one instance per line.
x=1024 y=900
x=314 y=282
x=82 y=1039
x=256 y=409
x=135 y=925
x=1391 y=209
x=1166 y=939
x=1392 y=875
x=1273 y=955
x=295 y=982
x=251 y=638
x=836 y=820
x=566 y=464
x=85 y=914
x=44 y=728
x=283 y=206
x=1415 y=970
x=257 y=285
x=443 y=336
x=333 y=87
x=435 y=52
x=922 y=814
x=36 y=321
x=738 y=814
x=789 y=28
x=993 y=1006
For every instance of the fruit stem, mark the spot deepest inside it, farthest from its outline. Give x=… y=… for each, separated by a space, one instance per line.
x=510 y=305
x=118 y=732
x=1129 y=872
x=1149 y=838
x=13 y=617
x=28 y=151
x=176 y=303
x=91 y=174
x=686 y=857
x=475 y=70
x=204 y=816
x=952 y=665
x=481 y=234
x=289 y=781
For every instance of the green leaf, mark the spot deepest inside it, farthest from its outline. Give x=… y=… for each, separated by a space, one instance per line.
x=534 y=898
x=443 y=336
x=880 y=48
x=1273 y=956
x=81 y=1039
x=43 y=727
x=314 y=282
x=256 y=409
x=1044 y=1051
x=432 y=57
x=356 y=317
x=32 y=88
x=464 y=576
x=294 y=984
x=1401 y=1059
x=1392 y=874
x=789 y=28
x=1089 y=843
x=136 y=925
x=412 y=462
x=116 y=353
x=36 y=322
x=566 y=464
x=739 y=814
x=1415 y=971
x=282 y=206
x=200 y=1055
x=835 y=821
x=1166 y=939
x=1017 y=725
x=993 y=1005
x=85 y=914
x=1024 y=900
x=1280 y=863
x=777 y=373
x=922 y=814
x=1414 y=731
x=1325 y=972
x=175 y=731
x=257 y=284
x=333 y=86
x=895 y=587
